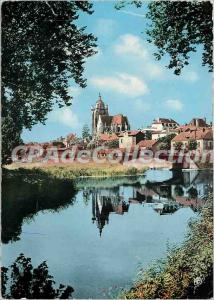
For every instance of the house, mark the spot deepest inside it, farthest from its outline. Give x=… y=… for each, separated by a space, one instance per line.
x=102 y=122
x=130 y=138
x=162 y=133
x=160 y=124
x=203 y=137
x=198 y=122
x=148 y=145
x=105 y=137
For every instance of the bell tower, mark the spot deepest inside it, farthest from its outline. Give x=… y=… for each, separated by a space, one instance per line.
x=99 y=109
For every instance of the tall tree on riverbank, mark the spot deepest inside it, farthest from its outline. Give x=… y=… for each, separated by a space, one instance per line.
x=42 y=48
x=177 y=28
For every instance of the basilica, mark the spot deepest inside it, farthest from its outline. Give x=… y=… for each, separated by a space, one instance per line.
x=102 y=122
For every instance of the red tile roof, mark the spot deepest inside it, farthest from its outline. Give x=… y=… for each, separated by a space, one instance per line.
x=163 y=120
x=147 y=143
x=130 y=133
x=108 y=137
x=199 y=134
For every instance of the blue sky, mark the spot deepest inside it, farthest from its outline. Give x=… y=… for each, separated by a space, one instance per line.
x=129 y=79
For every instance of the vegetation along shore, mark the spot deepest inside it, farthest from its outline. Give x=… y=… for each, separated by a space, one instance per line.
x=187 y=271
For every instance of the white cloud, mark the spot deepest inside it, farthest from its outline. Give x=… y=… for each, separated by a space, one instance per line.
x=128 y=12
x=131 y=44
x=122 y=83
x=135 y=48
x=105 y=27
x=66 y=117
x=190 y=76
x=174 y=104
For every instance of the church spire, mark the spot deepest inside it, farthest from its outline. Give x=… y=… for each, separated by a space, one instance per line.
x=100 y=98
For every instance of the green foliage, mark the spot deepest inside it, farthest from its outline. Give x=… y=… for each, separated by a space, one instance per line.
x=25 y=193
x=178 y=145
x=163 y=146
x=192 y=145
x=122 y=3
x=112 y=144
x=177 y=28
x=42 y=48
x=166 y=141
x=58 y=144
x=193 y=193
x=179 y=190
x=24 y=281
x=186 y=273
x=148 y=135
x=132 y=171
x=86 y=133
x=11 y=137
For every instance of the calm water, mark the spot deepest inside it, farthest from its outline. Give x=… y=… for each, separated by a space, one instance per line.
x=97 y=238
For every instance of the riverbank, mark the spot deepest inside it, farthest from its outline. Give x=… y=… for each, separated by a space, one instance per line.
x=187 y=272
x=75 y=170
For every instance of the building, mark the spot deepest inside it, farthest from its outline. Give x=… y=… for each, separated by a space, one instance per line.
x=148 y=145
x=198 y=122
x=203 y=137
x=160 y=124
x=102 y=122
x=159 y=134
x=130 y=138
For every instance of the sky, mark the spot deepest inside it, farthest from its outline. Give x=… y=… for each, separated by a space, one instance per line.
x=129 y=79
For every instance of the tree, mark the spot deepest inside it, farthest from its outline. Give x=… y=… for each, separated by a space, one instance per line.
x=42 y=48
x=178 y=145
x=112 y=144
x=179 y=190
x=166 y=141
x=86 y=132
x=148 y=135
x=163 y=146
x=177 y=28
x=31 y=283
x=192 y=145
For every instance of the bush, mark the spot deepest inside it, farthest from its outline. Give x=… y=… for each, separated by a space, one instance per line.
x=187 y=272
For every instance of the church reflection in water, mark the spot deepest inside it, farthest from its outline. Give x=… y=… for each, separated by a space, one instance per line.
x=166 y=197
x=105 y=202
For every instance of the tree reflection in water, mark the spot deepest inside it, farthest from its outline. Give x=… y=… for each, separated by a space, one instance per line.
x=24 y=195
x=21 y=280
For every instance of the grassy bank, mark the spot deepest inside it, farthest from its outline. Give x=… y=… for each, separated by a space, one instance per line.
x=75 y=170
x=187 y=272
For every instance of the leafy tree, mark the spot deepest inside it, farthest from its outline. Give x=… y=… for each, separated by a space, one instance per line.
x=192 y=145
x=193 y=193
x=86 y=132
x=178 y=145
x=112 y=144
x=177 y=28
x=166 y=141
x=58 y=144
x=179 y=190
x=31 y=283
x=42 y=48
x=148 y=135
x=163 y=146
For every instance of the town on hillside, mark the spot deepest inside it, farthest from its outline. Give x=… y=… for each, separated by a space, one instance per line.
x=114 y=131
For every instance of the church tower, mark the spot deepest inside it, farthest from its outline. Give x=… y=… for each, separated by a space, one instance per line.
x=99 y=109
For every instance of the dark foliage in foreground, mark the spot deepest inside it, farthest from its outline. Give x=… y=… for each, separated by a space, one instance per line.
x=25 y=193
x=21 y=280
x=187 y=272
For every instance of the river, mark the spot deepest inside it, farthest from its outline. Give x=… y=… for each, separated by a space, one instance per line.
x=97 y=237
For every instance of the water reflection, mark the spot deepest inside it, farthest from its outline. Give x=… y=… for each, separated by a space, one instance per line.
x=24 y=196
x=108 y=196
